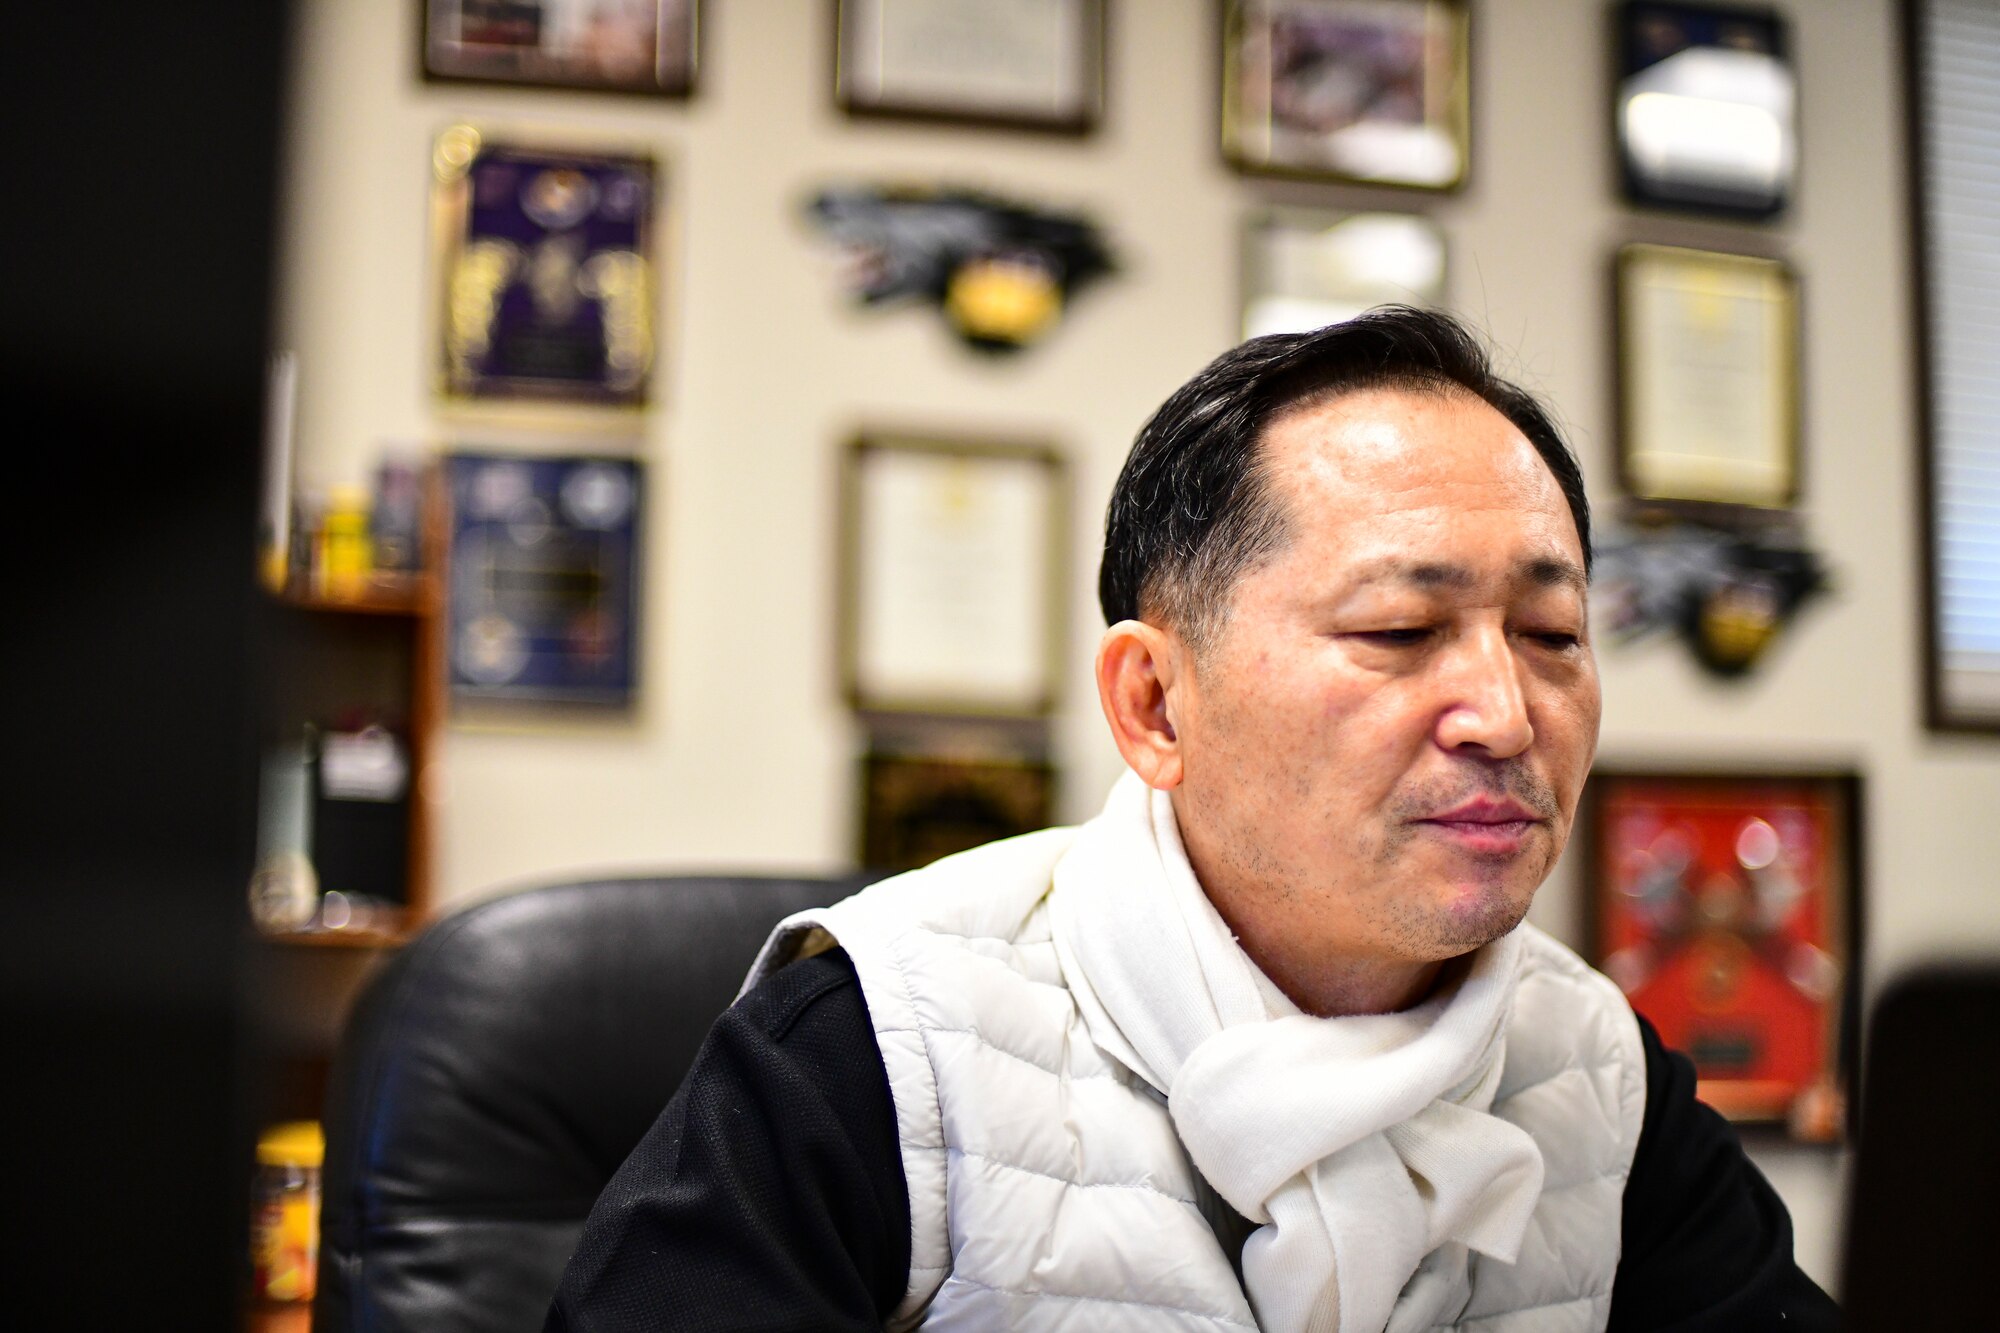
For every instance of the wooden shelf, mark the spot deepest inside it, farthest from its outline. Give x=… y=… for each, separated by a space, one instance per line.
x=336 y=939
x=377 y=595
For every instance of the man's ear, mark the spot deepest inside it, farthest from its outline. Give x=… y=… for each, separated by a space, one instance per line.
x=1138 y=668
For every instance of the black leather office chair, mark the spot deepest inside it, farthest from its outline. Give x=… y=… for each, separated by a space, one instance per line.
x=499 y=1069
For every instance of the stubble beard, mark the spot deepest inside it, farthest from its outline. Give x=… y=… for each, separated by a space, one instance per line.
x=1484 y=896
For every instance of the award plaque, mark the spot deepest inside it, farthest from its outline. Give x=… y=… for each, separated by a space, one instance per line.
x=1706 y=108
x=916 y=809
x=1304 y=270
x=952 y=576
x=1026 y=64
x=542 y=598
x=1372 y=91
x=626 y=46
x=547 y=272
x=1708 y=377
x=1724 y=907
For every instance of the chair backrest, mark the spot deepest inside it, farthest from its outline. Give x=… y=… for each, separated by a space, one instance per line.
x=497 y=1072
x=1925 y=1183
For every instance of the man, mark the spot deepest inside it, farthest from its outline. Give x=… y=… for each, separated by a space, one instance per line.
x=1265 y=1044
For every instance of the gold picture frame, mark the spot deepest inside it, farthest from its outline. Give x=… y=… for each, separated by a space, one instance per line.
x=1374 y=92
x=1708 y=377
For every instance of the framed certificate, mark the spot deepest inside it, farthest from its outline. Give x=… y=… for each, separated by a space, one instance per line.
x=1706 y=113
x=1725 y=906
x=626 y=46
x=546 y=270
x=1708 y=377
x=542 y=579
x=917 y=808
x=1028 y=64
x=1374 y=91
x=1304 y=270
x=952 y=575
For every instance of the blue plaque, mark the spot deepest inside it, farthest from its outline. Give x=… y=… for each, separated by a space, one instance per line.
x=542 y=596
x=547 y=272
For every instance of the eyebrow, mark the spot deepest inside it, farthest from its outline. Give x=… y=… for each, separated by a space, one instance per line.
x=1542 y=572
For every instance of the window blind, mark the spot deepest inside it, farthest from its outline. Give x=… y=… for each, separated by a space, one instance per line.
x=1958 y=110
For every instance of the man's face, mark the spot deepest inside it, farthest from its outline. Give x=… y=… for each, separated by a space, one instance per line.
x=1383 y=748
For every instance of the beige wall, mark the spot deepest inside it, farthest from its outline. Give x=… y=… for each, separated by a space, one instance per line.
x=742 y=755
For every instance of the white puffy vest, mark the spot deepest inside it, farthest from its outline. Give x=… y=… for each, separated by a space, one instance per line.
x=1047 y=1188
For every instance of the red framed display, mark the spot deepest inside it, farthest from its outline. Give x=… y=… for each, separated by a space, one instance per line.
x=1726 y=907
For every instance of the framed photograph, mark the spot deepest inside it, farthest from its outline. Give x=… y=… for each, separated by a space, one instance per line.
x=1726 y=907
x=1708 y=377
x=546 y=269
x=1706 y=108
x=1372 y=91
x=1024 y=64
x=1304 y=270
x=624 y=46
x=542 y=579
x=916 y=809
x=952 y=575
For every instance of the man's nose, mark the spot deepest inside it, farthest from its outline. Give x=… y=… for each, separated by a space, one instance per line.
x=1485 y=706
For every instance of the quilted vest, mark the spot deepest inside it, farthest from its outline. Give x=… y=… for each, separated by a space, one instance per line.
x=1047 y=1187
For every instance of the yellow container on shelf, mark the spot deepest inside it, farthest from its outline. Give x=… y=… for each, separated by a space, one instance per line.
x=346 y=554
x=284 y=1236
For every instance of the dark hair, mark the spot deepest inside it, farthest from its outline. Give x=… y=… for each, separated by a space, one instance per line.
x=1191 y=512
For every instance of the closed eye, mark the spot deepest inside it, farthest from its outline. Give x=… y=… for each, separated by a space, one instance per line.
x=1409 y=637
x=1556 y=639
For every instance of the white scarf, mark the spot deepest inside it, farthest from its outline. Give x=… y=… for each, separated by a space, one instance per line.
x=1362 y=1146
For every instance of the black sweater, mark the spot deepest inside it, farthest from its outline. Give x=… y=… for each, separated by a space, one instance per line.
x=769 y=1194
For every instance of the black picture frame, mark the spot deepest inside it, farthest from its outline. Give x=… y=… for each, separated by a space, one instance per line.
x=1657 y=126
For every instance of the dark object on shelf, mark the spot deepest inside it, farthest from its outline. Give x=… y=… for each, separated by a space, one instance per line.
x=396 y=517
x=360 y=824
x=1002 y=272
x=496 y=1073
x=1705 y=113
x=641 y=46
x=1927 y=1168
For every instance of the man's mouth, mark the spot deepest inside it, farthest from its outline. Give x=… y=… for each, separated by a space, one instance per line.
x=1485 y=825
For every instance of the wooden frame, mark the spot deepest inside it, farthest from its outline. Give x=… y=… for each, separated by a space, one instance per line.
x=945 y=584
x=1688 y=327
x=862 y=86
x=1396 y=111
x=1727 y=906
x=579 y=65
x=917 y=808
